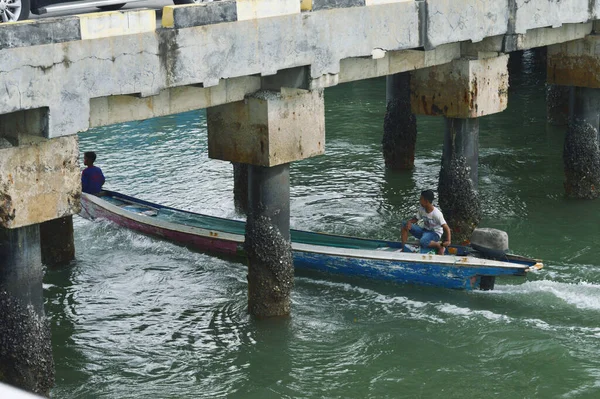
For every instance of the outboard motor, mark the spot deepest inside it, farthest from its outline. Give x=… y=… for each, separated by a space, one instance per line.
x=491 y=243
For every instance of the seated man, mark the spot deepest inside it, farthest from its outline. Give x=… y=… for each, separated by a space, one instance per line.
x=92 y=178
x=434 y=225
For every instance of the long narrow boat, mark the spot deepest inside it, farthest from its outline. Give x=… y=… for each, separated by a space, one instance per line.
x=375 y=259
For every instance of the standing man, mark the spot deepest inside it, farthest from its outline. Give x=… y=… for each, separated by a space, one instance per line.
x=434 y=225
x=92 y=178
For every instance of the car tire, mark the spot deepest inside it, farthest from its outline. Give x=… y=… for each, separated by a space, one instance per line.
x=179 y=2
x=112 y=7
x=17 y=14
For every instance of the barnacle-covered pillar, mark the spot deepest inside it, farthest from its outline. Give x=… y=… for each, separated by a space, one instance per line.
x=267 y=131
x=461 y=91
x=39 y=182
x=575 y=64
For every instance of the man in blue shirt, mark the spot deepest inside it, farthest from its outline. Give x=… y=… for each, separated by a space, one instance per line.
x=92 y=178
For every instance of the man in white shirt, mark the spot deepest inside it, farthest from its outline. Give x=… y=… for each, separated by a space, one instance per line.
x=434 y=225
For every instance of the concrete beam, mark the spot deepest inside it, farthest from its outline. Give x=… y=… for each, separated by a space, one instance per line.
x=534 y=14
x=534 y=38
x=465 y=88
x=455 y=21
x=393 y=62
x=546 y=36
x=268 y=128
x=39 y=182
x=116 y=109
x=575 y=63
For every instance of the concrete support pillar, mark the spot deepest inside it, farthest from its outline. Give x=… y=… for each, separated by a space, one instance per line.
x=557 y=104
x=581 y=153
x=267 y=131
x=576 y=64
x=457 y=188
x=461 y=91
x=240 y=187
x=268 y=245
x=57 y=241
x=25 y=346
x=400 y=124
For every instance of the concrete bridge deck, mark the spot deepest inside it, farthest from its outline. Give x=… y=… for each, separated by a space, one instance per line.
x=259 y=67
x=216 y=53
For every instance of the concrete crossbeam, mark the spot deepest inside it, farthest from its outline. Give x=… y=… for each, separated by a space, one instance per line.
x=39 y=181
x=532 y=14
x=575 y=63
x=450 y=21
x=465 y=88
x=116 y=109
x=268 y=128
x=393 y=62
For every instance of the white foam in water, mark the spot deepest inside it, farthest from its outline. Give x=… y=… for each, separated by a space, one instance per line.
x=466 y=312
x=582 y=295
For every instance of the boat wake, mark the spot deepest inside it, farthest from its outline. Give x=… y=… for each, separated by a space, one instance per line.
x=583 y=295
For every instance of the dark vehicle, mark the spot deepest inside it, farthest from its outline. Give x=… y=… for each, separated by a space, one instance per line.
x=19 y=10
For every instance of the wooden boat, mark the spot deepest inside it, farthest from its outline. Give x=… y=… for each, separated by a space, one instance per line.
x=463 y=268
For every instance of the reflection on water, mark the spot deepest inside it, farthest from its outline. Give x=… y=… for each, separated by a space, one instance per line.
x=135 y=317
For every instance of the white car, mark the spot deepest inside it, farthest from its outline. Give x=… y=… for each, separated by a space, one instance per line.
x=18 y=10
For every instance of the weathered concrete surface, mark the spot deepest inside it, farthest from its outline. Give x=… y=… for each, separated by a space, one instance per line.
x=268 y=128
x=123 y=55
x=449 y=21
x=457 y=188
x=400 y=124
x=124 y=108
x=581 y=154
x=57 y=241
x=465 y=88
x=35 y=33
x=39 y=182
x=267 y=242
x=531 y=14
x=329 y=4
x=199 y=14
x=575 y=63
x=25 y=346
x=532 y=39
x=266 y=45
x=393 y=62
x=557 y=104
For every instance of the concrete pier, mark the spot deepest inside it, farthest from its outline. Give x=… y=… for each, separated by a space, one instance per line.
x=268 y=245
x=577 y=64
x=457 y=188
x=557 y=104
x=25 y=346
x=57 y=241
x=400 y=124
x=461 y=92
x=240 y=187
x=581 y=154
x=267 y=131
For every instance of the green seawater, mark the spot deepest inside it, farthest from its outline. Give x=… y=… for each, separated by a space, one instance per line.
x=134 y=317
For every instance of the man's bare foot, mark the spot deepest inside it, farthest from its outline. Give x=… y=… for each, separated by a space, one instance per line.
x=441 y=250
